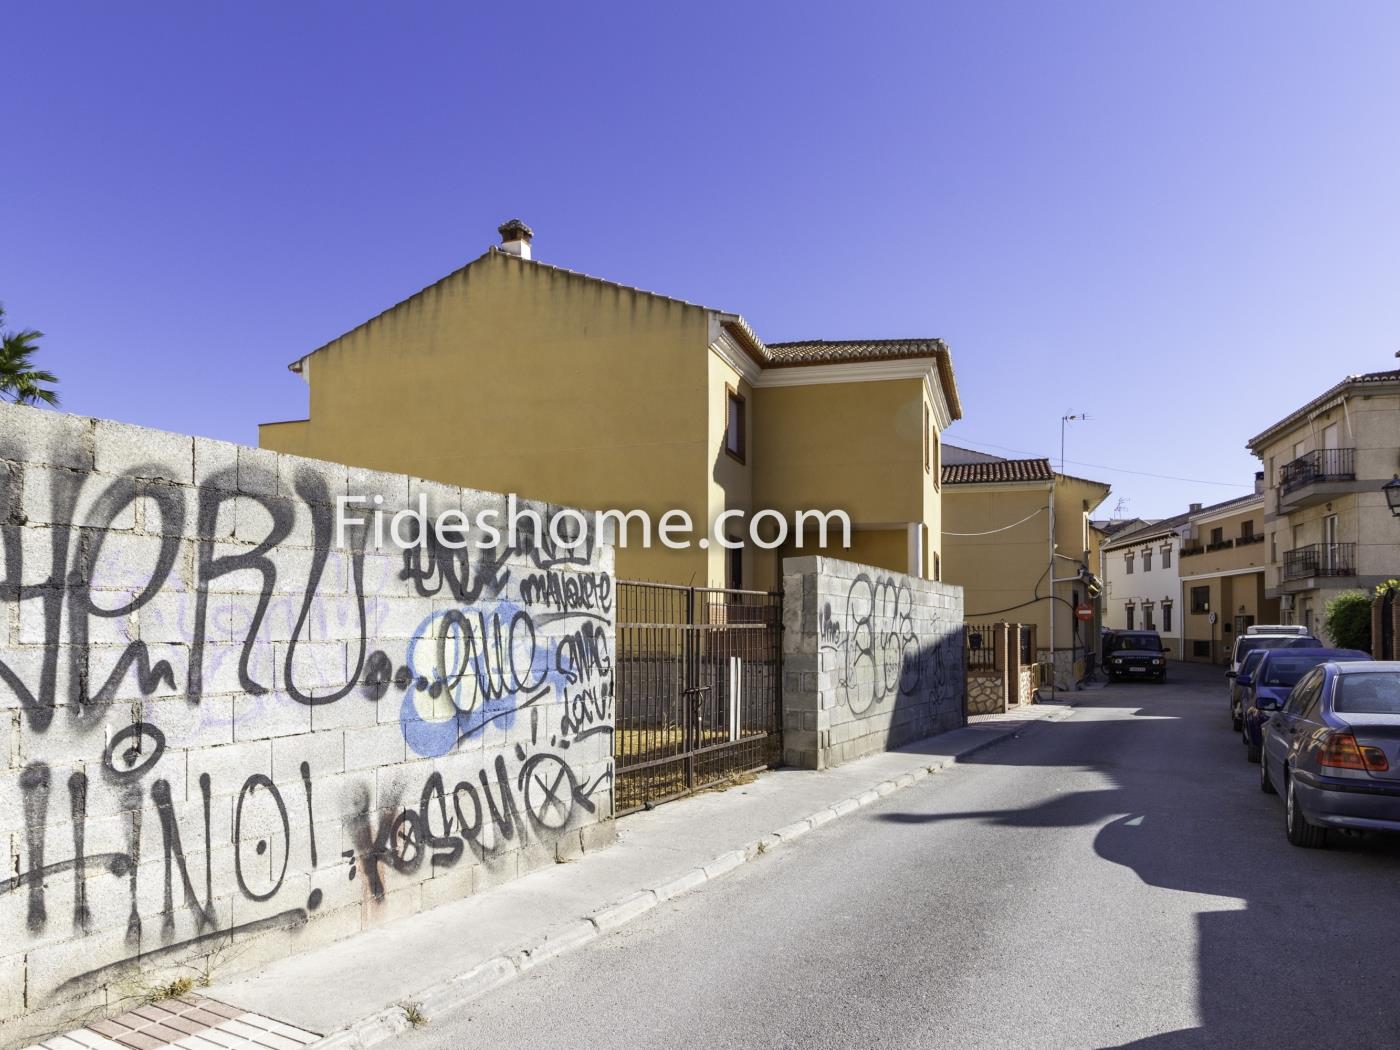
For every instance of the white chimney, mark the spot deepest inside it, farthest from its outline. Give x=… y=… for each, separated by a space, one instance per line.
x=515 y=238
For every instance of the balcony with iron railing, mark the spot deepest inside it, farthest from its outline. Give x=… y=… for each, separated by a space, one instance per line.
x=1315 y=476
x=1319 y=559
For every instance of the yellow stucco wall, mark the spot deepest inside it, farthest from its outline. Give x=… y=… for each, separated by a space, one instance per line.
x=1231 y=597
x=999 y=572
x=518 y=377
x=857 y=447
x=730 y=484
x=289 y=436
x=514 y=377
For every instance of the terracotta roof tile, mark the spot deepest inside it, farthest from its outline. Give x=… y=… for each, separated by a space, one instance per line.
x=825 y=351
x=1000 y=471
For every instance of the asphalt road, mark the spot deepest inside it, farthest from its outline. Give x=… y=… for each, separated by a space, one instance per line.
x=1116 y=879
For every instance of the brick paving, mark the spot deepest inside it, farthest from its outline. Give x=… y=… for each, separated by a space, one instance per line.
x=190 y=1022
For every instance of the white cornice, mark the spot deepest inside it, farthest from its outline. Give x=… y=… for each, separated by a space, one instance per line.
x=956 y=488
x=727 y=349
x=1244 y=506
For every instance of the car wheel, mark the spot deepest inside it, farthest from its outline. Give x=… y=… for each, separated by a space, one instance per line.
x=1300 y=832
x=1265 y=784
x=1236 y=721
x=1252 y=751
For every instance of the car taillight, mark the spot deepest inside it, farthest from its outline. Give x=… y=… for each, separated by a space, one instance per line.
x=1341 y=751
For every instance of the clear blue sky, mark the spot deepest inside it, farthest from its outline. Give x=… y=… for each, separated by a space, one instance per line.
x=1182 y=218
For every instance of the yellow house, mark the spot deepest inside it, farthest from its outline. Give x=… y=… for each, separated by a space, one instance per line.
x=1002 y=518
x=1221 y=563
x=1328 y=527
x=517 y=376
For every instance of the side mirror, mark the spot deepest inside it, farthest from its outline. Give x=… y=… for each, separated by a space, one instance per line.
x=1244 y=681
x=1230 y=674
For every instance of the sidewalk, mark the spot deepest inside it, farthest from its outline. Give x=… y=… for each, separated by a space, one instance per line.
x=354 y=991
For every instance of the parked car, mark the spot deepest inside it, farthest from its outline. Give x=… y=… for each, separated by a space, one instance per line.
x=1276 y=628
x=1236 y=694
x=1136 y=654
x=1333 y=750
x=1266 y=678
x=1246 y=644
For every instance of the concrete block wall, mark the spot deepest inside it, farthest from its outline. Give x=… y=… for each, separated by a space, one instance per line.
x=871 y=660
x=223 y=737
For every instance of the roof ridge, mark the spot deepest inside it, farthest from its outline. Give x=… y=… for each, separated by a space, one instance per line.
x=1332 y=391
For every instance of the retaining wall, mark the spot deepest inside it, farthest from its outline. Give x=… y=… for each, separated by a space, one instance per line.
x=871 y=660
x=223 y=737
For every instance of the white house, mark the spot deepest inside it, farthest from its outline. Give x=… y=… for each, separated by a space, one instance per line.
x=1142 y=585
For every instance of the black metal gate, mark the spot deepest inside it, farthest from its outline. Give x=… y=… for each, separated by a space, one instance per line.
x=699 y=679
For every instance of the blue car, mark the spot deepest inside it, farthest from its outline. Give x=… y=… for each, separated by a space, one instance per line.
x=1265 y=680
x=1334 y=751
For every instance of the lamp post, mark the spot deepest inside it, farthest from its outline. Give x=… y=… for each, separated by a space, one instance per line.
x=1392 y=494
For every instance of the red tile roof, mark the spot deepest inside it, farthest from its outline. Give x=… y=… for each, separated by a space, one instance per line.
x=826 y=351
x=1001 y=470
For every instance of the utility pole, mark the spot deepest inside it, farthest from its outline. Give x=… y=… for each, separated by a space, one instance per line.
x=1081 y=416
x=1054 y=659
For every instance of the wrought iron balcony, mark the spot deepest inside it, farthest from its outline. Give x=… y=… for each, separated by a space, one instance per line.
x=1324 y=464
x=1320 y=559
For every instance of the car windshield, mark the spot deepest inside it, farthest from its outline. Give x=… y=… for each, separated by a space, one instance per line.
x=1137 y=641
x=1368 y=693
x=1285 y=670
x=1263 y=641
x=1251 y=661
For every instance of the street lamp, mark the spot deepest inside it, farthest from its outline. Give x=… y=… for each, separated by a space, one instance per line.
x=1392 y=494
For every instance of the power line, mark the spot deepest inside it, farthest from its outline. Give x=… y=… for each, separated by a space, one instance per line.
x=1004 y=528
x=1119 y=470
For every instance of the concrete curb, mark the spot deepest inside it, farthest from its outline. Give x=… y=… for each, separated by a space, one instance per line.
x=459 y=991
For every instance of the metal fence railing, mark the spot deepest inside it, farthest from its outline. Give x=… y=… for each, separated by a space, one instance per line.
x=1323 y=464
x=699 y=678
x=1320 y=559
x=981 y=646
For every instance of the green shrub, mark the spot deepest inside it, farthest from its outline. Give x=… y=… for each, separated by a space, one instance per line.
x=1348 y=621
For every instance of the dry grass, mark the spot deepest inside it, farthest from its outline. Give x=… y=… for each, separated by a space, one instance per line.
x=176 y=988
x=414 y=1015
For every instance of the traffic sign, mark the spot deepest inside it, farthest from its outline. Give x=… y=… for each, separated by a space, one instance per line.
x=1084 y=612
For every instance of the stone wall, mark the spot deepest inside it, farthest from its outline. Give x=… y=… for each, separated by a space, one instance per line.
x=985 y=693
x=1029 y=678
x=871 y=660
x=225 y=737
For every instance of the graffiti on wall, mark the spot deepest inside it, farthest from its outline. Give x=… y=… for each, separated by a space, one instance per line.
x=150 y=620
x=886 y=650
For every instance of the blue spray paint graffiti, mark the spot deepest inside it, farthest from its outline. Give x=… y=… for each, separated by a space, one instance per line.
x=472 y=668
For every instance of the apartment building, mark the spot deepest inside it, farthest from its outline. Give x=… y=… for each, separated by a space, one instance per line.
x=1327 y=524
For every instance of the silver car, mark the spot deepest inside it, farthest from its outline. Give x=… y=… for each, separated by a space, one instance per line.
x=1333 y=750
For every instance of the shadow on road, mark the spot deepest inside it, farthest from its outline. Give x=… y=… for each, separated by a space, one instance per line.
x=1310 y=959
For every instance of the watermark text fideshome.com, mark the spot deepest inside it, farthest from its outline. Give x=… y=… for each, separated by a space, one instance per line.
x=567 y=528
